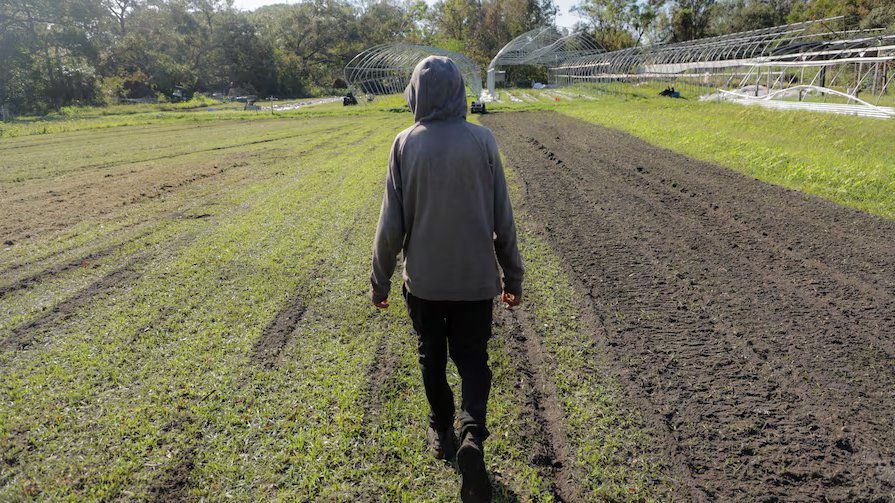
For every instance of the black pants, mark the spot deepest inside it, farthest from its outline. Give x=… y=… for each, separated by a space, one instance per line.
x=463 y=328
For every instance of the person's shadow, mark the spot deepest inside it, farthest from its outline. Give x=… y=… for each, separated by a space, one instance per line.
x=502 y=493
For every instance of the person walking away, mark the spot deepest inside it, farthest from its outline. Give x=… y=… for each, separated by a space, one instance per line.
x=447 y=210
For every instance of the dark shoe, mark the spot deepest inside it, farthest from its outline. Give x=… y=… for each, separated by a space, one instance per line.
x=475 y=488
x=442 y=444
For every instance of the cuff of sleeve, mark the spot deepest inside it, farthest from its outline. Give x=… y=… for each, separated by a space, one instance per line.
x=378 y=296
x=512 y=286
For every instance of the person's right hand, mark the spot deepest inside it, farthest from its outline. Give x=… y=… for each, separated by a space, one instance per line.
x=510 y=300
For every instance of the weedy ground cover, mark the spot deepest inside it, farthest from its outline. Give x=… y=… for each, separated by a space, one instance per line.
x=183 y=314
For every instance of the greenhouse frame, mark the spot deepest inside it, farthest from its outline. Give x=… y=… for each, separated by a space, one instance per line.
x=542 y=46
x=817 y=65
x=386 y=69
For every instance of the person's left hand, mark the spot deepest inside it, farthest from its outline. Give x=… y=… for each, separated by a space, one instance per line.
x=383 y=304
x=510 y=300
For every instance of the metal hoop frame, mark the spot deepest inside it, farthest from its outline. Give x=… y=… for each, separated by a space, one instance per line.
x=386 y=69
x=795 y=58
x=542 y=46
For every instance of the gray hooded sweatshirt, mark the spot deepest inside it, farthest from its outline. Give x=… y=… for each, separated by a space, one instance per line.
x=446 y=205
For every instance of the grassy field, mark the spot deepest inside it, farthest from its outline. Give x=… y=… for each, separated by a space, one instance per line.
x=183 y=310
x=183 y=315
x=91 y=118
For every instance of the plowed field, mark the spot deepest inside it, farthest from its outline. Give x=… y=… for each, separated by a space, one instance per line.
x=752 y=325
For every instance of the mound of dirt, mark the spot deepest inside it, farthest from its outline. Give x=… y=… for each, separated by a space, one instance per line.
x=751 y=324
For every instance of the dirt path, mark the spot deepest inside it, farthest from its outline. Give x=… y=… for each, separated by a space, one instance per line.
x=753 y=324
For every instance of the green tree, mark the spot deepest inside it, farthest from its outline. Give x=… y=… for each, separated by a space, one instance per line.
x=48 y=53
x=617 y=24
x=742 y=15
x=691 y=19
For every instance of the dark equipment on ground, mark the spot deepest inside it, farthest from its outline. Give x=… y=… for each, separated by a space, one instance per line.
x=670 y=92
x=349 y=99
x=477 y=107
x=181 y=94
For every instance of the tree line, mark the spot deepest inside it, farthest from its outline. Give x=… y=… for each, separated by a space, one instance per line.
x=55 y=53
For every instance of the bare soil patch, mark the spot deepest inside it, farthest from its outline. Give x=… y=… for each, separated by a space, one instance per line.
x=752 y=324
x=172 y=483
x=37 y=208
x=276 y=335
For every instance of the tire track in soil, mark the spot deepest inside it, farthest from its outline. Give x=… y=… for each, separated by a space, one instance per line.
x=83 y=261
x=20 y=337
x=172 y=484
x=128 y=272
x=386 y=357
x=35 y=279
x=277 y=334
x=381 y=371
x=762 y=345
x=551 y=453
x=267 y=349
x=104 y=252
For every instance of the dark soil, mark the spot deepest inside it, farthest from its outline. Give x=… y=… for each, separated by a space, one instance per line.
x=276 y=335
x=753 y=325
x=172 y=482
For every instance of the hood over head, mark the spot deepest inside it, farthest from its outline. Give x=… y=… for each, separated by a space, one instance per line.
x=436 y=90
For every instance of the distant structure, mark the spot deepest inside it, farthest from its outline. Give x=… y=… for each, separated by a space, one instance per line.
x=386 y=69
x=541 y=46
x=807 y=65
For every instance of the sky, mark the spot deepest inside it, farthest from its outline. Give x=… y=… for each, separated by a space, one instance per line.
x=563 y=17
